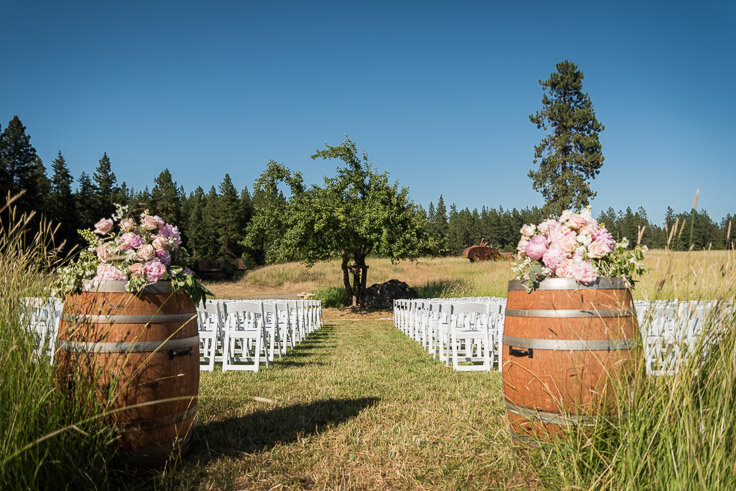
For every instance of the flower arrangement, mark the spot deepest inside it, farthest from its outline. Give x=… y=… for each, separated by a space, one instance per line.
x=139 y=252
x=575 y=246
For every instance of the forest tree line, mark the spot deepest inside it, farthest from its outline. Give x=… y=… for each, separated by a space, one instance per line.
x=214 y=221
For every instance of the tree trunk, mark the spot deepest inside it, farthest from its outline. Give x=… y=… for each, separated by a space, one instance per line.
x=346 y=278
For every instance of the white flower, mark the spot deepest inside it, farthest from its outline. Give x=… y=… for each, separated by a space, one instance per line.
x=565 y=215
x=585 y=239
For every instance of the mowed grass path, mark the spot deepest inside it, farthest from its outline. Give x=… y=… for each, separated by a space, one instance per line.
x=358 y=405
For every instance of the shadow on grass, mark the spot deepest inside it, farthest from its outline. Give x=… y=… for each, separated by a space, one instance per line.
x=263 y=429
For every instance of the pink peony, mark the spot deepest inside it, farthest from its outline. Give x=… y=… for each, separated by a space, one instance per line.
x=109 y=272
x=576 y=221
x=549 y=227
x=146 y=252
x=605 y=236
x=521 y=246
x=583 y=272
x=103 y=226
x=164 y=256
x=553 y=257
x=536 y=247
x=127 y=224
x=137 y=269
x=149 y=223
x=102 y=253
x=528 y=230
x=154 y=270
x=567 y=241
x=130 y=240
x=159 y=221
x=564 y=269
x=598 y=249
x=591 y=222
x=160 y=243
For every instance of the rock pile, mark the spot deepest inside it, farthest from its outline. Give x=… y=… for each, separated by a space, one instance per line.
x=382 y=295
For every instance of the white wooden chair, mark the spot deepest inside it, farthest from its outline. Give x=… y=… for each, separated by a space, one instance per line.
x=210 y=326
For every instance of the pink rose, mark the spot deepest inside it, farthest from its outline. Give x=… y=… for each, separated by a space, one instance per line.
x=537 y=247
x=160 y=243
x=137 y=269
x=576 y=221
x=127 y=224
x=583 y=272
x=154 y=270
x=103 y=226
x=164 y=256
x=149 y=223
x=146 y=252
x=564 y=269
x=130 y=240
x=592 y=222
x=159 y=221
x=598 y=249
x=553 y=257
x=102 y=253
x=549 y=227
x=109 y=272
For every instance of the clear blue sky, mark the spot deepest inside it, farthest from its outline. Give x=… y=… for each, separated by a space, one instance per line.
x=437 y=93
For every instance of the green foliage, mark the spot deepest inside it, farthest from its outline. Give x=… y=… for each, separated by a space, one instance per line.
x=20 y=167
x=355 y=213
x=165 y=198
x=332 y=297
x=571 y=155
x=105 y=189
x=61 y=206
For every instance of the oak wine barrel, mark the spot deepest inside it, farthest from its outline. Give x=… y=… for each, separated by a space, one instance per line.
x=141 y=352
x=566 y=346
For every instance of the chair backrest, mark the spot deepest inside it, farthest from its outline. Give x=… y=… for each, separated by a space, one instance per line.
x=242 y=314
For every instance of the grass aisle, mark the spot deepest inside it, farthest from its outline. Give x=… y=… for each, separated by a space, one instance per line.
x=357 y=405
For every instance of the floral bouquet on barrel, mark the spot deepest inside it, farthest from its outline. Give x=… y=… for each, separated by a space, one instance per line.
x=575 y=246
x=140 y=252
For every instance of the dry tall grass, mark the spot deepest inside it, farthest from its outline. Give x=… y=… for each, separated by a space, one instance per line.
x=682 y=275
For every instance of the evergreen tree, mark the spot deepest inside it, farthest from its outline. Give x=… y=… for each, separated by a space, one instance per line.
x=86 y=201
x=165 y=198
x=228 y=220
x=197 y=236
x=210 y=219
x=106 y=192
x=439 y=226
x=62 y=209
x=571 y=155
x=18 y=165
x=37 y=188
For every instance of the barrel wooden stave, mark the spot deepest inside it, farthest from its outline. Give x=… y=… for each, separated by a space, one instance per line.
x=565 y=385
x=149 y=434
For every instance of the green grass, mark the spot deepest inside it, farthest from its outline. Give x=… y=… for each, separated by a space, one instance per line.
x=50 y=437
x=357 y=405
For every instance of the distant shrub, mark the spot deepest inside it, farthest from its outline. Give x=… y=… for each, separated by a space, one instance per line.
x=332 y=297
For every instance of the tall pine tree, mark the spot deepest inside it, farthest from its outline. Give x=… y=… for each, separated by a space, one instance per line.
x=18 y=165
x=62 y=209
x=165 y=198
x=106 y=191
x=571 y=155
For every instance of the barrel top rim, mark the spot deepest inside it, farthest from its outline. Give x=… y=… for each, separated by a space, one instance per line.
x=571 y=284
x=113 y=286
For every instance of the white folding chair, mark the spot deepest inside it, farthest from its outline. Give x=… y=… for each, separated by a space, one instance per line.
x=244 y=343
x=470 y=337
x=209 y=327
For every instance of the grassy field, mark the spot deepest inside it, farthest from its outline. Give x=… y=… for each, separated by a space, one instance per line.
x=358 y=405
x=682 y=275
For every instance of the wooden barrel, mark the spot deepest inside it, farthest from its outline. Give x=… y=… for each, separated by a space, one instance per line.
x=566 y=346
x=141 y=352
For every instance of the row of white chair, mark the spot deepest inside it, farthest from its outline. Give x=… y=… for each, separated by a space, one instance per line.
x=240 y=334
x=669 y=329
x=243 y=334
x=464 y=332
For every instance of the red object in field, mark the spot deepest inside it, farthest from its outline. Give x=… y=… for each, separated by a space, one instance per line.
x=482 y=252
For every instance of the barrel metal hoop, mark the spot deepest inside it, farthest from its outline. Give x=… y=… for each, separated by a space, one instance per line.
x=129 y=319
x=547 y=417
x=155 y=422
x=571 y=284
x=527 y=440
x=570 y=313
x=112 y=286
x=572 y=344
x=128 y=347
